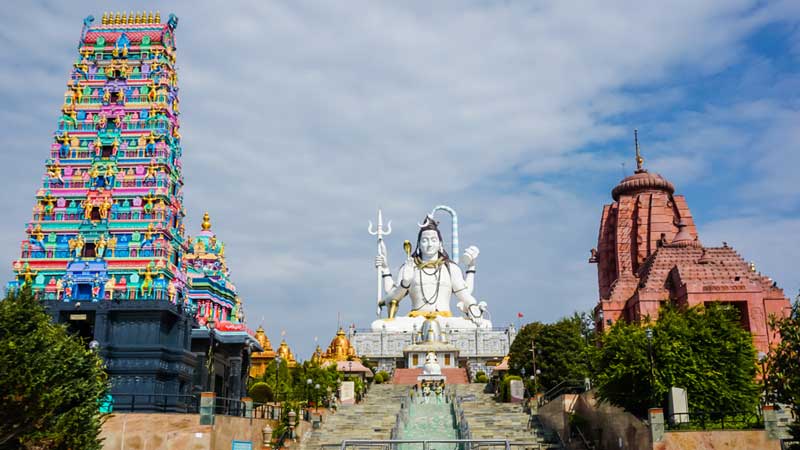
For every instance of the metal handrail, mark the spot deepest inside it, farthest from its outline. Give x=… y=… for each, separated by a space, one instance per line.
x=563 y=387
x=279 y=443
x=392 y=443
x=229 y=407
x=585 y=442
x=188 y=404
x=714 y=420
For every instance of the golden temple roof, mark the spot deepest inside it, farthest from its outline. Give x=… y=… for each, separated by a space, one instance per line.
x=262 y=339
x=339 y=349
x=317 y=356
x=285 y=353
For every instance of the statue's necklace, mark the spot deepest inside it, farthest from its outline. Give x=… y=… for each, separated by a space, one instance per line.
x=438 y=273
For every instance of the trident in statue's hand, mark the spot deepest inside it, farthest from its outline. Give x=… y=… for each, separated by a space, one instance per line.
x=380 y=261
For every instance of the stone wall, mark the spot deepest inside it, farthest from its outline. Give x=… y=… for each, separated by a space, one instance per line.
x=555 y=414
x=178 y=432
x=610 y=426
x=722 y=439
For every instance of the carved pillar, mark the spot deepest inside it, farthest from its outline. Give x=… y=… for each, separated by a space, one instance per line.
x=202 y=369
x=235 y=376
x=246 y=364
x=101 y=327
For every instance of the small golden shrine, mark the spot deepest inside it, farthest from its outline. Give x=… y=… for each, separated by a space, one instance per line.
x=260 y=360
x=285 y=353
x=339 y=350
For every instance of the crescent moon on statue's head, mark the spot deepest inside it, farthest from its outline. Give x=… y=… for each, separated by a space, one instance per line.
x=428 y=219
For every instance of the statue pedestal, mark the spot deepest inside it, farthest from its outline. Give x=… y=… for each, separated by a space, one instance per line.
x=429 y=378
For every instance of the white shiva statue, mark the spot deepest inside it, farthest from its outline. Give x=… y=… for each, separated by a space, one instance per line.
x=431 y=366
x=430 y=278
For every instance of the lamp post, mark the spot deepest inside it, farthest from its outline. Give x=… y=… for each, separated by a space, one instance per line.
x=648 y=332
x=277 y=375
x=316 y=398
x=212 y=325
x=762 y=358
x=535 y=378
x=308 y=387
x=292 y=423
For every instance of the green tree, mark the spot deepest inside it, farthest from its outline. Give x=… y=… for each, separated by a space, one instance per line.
x=703 y=350
x=783 y=375
x=564 y=351
x=261 y=392
x=51 y=385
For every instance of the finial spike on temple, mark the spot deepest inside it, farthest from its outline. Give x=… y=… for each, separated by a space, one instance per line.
x=639 y=159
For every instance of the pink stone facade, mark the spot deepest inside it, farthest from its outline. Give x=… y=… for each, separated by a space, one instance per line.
x=649 y=253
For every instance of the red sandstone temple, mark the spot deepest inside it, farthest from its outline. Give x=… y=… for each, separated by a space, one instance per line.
x=648 y=253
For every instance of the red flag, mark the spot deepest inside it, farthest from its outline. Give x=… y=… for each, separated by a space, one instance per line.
x=519 y=314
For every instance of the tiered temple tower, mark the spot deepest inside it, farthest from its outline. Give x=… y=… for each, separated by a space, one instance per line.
x=649 y=253
x=108 y=219
x=106 y=249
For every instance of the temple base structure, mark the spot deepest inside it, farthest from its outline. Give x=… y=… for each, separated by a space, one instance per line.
x=477 y=349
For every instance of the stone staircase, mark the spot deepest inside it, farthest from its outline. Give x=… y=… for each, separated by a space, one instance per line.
x=373 y=418
x=409 y=376
x=489 y=419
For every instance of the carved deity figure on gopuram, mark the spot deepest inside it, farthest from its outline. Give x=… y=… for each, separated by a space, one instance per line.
x=430 y=278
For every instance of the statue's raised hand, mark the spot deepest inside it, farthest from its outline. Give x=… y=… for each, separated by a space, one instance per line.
x=469 y=256
x=381 y=263
x=407 y=273
x=381 y=304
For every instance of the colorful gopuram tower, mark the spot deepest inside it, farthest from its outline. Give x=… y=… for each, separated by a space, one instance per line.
x=108 y=219
x=106 y=249
x=219 y=315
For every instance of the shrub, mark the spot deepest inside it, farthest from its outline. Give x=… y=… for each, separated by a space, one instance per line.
x=704 y=350
x=260 y=392
x=505 y=387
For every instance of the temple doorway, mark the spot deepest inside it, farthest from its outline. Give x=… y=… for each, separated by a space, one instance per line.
x=81 y=323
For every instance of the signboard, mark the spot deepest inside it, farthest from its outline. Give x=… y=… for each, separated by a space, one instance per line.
x=347 y=392
x=678 y=405
x=517 y=391
x=242 y=445
x=230 y=326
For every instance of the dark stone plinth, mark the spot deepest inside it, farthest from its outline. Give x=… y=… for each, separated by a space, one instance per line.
x=146 y=345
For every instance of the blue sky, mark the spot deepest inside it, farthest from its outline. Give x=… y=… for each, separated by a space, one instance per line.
x=301 y=119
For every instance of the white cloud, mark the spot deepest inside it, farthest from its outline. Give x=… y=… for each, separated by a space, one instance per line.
x=299 y=120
